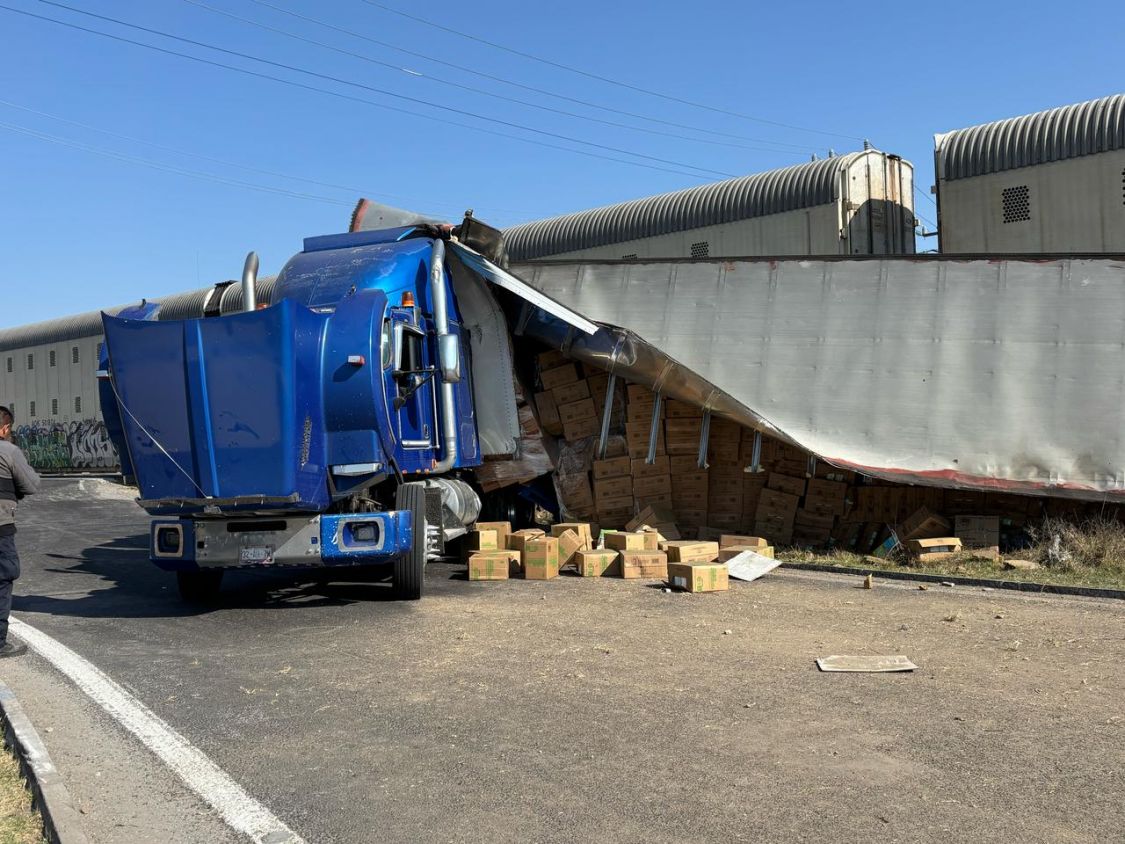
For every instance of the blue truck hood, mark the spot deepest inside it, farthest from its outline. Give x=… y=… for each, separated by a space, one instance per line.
x=223 y=412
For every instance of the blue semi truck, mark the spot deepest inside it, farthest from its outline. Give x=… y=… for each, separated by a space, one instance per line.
x=339 y=424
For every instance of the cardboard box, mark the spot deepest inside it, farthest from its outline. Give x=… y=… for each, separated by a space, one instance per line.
x=661 y=499
x=614 y=467
x=581 y=528
x=776 y=505
x=691 y=517
x=699 y=577
x=551 y=359
x=570 y=543
x=482 y=540
x=923 y=523
x=681 y=436
x=687 y=551
x=654 y=516
x=541 y=558
x=728 y=503
x=732 y=551
x=689 y=497
x=558 y=376
x=727 y=521
x=608 y=488
x=724 y=453
x=503 y=529
x=625 y=541
x=615 y=517
x=517 y=540
x=577 y=411
x=934 y=548
x=652 y=485
x=492 y=565
x=639 y=469
x=653 y=538
x=977 y=531
x=636 y=436
x=548 y=410
x=776 y=481
x=648 y=564
x=729 y=539
x=597 y=563
x=682 y=410
x=573 y=392
x=576 y=493
x=581 y=428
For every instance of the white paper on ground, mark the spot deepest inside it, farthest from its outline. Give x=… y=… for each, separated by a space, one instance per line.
x=866 y=664
x=750 y=565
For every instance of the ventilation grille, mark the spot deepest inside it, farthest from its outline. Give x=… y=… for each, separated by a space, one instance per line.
x=74 y=354
x=632 y=256
x=702 y=249
x=1017 y=204
x=1123 y=187
x=51 y=358
x=54 y=407
x=9 y=364
x=78 y=404
x=31 y=409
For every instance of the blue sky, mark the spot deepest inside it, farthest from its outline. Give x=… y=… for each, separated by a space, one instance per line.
x=87 y=229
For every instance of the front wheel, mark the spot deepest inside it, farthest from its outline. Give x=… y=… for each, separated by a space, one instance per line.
x=199 y=587
x=410 y=568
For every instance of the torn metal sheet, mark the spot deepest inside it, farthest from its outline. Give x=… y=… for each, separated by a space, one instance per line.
x=750 y=565
x=865 y=664
x=977 y=373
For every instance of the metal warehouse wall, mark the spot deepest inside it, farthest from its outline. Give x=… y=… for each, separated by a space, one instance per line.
x=52 y=390
x=1077 y=205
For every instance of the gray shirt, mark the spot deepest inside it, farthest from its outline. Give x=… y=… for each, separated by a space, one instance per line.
x=17 y=479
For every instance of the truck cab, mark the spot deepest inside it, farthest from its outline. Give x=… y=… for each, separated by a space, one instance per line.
x=335 y=425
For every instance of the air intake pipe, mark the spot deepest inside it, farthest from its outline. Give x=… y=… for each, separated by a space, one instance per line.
x=441 y=329
x=249 y=283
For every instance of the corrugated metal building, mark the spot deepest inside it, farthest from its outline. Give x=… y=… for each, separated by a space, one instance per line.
x=860 y=203
x=1053 y=181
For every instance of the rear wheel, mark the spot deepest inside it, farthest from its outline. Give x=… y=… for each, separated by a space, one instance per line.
x=410 y=568
x=199 y=587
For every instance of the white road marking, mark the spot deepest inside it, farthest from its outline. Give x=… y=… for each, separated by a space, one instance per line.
x=241 y=811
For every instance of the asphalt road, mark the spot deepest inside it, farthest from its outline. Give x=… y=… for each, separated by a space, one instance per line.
x=605 y=710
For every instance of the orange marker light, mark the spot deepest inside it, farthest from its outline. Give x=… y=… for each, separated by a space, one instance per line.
x=408 y=299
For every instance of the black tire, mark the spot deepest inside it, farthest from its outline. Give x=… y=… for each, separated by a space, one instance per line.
x=410 y=568
x=199 y=587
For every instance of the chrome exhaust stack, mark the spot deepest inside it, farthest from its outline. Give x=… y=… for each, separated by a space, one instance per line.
x=250 y=282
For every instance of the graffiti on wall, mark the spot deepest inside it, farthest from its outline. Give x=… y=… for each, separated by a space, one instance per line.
x=66 y=445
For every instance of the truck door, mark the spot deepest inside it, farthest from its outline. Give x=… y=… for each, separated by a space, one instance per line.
x=412 y=394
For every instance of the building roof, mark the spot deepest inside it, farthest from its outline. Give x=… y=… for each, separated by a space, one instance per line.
x=772 y=192
x=1053 y=135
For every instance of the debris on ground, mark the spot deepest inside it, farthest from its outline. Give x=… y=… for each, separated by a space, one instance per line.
x=865 y=664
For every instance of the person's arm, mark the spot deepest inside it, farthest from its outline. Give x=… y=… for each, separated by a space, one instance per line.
x=24 y=477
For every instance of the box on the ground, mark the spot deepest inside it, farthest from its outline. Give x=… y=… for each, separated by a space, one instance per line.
x=541 y=558
x=625 y=541
x=518 y=539
x=548 y=410
x=569 y=544
x=934 y=548
x=573 y=392
x=731 y=551
x=977 y=531
x=558 y=376
x=643 y=564
x=699 y=577
x=492 y=565
x=597 y=562
x=652 y=538
x=583 y=530
x=503 y=529
x=728 y=539
x=688 y=551
x=656 y=516
x=613 y=467
x=482 y=539
x=923 y=523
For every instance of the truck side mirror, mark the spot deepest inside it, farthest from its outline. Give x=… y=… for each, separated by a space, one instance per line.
x=449 y=358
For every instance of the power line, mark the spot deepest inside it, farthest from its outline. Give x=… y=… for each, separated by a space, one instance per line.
x=234 y=164
x=158 y=165
x=349 y=97
x=383 y=92
x=606 y=79
x=461 y=86
x=576 y=100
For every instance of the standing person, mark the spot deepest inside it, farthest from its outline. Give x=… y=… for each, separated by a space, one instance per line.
x=17 y=479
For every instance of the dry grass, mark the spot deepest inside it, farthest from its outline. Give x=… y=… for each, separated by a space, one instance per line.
x=19 y=823
x=1088 y=553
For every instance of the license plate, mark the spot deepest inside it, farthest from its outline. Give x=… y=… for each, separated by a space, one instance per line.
x=256 y=555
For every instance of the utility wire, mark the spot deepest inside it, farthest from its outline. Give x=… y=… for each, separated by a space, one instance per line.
x=349 y=97
x=606 y=79
x=465 y=69
x=461 y=86
x=384 y=92
x=225 y=163
x=169 y=168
